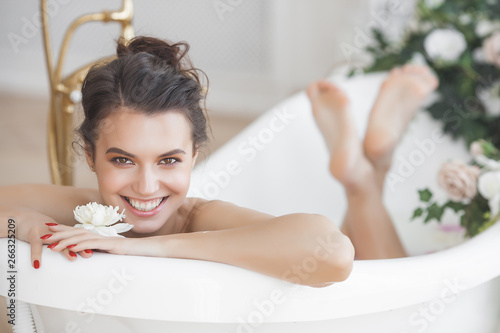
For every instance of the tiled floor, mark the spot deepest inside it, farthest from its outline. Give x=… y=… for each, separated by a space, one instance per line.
x=23 y=141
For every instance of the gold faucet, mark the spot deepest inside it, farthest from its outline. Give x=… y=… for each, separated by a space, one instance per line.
x=65 y=92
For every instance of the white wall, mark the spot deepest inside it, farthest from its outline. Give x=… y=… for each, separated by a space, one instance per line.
x=255 y=51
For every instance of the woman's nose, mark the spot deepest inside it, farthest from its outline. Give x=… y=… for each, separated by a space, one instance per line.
x=148 y=183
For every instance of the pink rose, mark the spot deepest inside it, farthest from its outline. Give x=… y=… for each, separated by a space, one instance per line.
x=476 y=149
x=459 y=180
x=491 y=49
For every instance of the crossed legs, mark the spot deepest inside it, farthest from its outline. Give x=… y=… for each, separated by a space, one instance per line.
x=361 y=166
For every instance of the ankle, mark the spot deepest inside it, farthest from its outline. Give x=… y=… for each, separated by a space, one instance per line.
x=362 y=178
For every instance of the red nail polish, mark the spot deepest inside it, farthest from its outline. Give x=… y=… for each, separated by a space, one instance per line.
x=53 y=245
x=71 y=246
x=46 y=236
x=88 y=251
x=51 y=224
x=72 y=254
x=36 y=264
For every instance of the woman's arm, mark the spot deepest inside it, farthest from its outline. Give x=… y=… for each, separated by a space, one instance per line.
x=26 y=210
x=54 y=201
x=300 y=248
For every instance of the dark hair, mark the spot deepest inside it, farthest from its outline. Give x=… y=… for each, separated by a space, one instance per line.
x=150 y=76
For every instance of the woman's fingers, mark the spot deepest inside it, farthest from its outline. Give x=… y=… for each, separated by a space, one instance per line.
x=70 y=255
x=61 y=232
x=87 y=253
x=36 y=245
x=70 y=242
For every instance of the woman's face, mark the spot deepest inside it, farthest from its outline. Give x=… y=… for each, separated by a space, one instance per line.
x=143 y=164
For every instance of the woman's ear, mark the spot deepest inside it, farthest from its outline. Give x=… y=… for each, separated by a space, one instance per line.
x=89 y=158
x=195 y=156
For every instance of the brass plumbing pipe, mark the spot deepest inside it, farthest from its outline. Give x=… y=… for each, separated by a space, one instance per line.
x=60 y=131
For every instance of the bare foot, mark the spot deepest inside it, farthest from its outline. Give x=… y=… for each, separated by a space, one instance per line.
x=330 y=107
x=399 y=98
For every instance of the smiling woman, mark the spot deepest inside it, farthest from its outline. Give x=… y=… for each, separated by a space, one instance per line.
x=142 y=130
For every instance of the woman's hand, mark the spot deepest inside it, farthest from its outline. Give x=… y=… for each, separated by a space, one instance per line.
x=33 y=227
x=63 y=238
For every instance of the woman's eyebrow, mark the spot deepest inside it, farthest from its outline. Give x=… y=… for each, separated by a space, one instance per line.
x=123 y=152
x=173 y=152
x=119 y=151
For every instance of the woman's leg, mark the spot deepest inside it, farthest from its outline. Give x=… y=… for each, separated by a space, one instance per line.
x=400 y=96
x=367 y=222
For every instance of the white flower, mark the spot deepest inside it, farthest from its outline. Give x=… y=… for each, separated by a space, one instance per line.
x=490 y=98
x=445 y=44
x=494 y=204
x=488 y=184
x=465 y=18
x=98 y=218
x=432 y=4
x=487 y=163
x=478 y=55
x=484 y=28
x=489 y=187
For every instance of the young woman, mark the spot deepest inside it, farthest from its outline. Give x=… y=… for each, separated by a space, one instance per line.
x=142 y=131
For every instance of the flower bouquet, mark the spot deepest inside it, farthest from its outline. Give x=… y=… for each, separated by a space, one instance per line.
x=473 y=190
x=460 y=41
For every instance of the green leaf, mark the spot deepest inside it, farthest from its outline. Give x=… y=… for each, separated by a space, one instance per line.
x=417 y=213
x=434 y=211
x=455 y=206
x=425 y=195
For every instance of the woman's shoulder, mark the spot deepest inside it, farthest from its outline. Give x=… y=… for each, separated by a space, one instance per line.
x=207 y=215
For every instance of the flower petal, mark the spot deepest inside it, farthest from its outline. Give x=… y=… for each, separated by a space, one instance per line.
x=121 y=227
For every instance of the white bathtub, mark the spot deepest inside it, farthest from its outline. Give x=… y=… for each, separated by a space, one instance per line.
x=280 y=157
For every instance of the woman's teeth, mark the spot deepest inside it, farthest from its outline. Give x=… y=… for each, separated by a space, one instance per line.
x=145 y=206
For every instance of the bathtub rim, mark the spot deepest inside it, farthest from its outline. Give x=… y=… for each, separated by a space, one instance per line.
x=418 y=281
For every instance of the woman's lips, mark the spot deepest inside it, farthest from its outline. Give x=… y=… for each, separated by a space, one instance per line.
x=144 y=205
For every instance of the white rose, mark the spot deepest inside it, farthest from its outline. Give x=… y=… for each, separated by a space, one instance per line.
x=478 y=55
x=465 y=18
x=445 y=44
x=484 y=28
x=494 y=204
x=491 y=99
x=488 y=184
x=98 y=218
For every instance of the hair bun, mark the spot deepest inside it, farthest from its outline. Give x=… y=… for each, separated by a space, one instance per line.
x=172 y=54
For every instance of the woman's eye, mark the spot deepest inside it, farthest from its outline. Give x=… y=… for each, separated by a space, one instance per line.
x=122 y=160
x=169 y=160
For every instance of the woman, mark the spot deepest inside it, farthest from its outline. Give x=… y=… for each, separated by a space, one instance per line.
x=142 y=131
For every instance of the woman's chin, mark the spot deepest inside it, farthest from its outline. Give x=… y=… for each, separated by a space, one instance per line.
x=144 y=228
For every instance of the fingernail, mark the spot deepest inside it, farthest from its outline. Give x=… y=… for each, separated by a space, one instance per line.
x=51 y=224
x=53 y=245
x=36 y=264
x=46 y=236
x=72 y=254
x=88 y=251
x=71 y=246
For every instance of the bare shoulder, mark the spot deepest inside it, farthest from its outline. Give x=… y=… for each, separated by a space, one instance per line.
x=55 y=201
x=210 y=215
